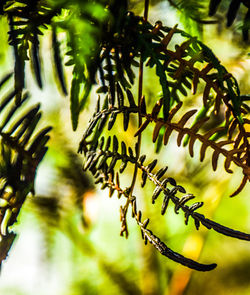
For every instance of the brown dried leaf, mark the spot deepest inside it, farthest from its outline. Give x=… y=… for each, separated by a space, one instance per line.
x=174 y=111
x=240 y=188
x=165 y=41
x=167 y=134
x=238 y=139
x=157 y=128
x=227 y=164
x=215 y=157
x=191 y=145
x=180 y=137
x=204 y=147
x=206 y=94
x=232 y=127
x=206 y=69
x=185 y=118
x=195 y=128
x=195 y=83
x=142 y=127
x=156 y=109
x=224 y=142
x=212 y=131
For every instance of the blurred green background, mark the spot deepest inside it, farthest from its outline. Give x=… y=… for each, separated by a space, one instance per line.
x=69 y=241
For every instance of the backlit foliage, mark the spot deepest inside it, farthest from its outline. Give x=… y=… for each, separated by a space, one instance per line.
x=110 y=46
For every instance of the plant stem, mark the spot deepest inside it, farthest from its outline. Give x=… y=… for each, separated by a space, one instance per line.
x=138 y=144
x=140 y=88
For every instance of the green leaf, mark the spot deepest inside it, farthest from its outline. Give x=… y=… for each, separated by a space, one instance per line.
x=74 y=102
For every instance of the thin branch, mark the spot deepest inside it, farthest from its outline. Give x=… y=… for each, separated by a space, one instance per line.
x=138 y=144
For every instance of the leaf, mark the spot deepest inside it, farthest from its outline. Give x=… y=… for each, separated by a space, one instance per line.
x=24 y=120
x=36 y=62
x=123 y=167
x=221 y=228
x=232 y=11
x=185 y=199
x=108 y=142
x=227 y=164
x=165 y=204
x=145 y=223
x=195 y=83
x=120 y=95
x=209 y=134
x=74 y=101
x=164 y=250
x=21 y=154
x=7 y=100
x=196 y=206
x=182 y=122
x=156 y=193
x=231 y=128
x=115 y=144
x=213 y=5
x=215 y=159
x=142 y=159
x=130 y=99
x=124 y=148
x=112 y=120
x=174 y=111
x=165 y=41
x=39 y=140
x=167 y=134
x=241 y=186
x=156 y=131
x=144 y=178
x=191 y=146
x=186 y=117
x=203 y=149
x=159 y=140
x=5 y=79
x=125 y=120
x=152 y=165
x=12 y=111
x=161 y=172
x=180 y=137
x=156 y=109
x=206 y=94
x=58 y=60
x=142 y=127
x=196 y=125
x=28 y=129
x=165 y=89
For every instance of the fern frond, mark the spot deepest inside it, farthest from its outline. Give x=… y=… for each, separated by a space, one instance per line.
x=238 y=155
x=180 y=203
x=101 y=161
x=107 y=181
x=26 y=19
x=110 y=109
x=104 y=174
x=58 y=60
x=21 y=153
